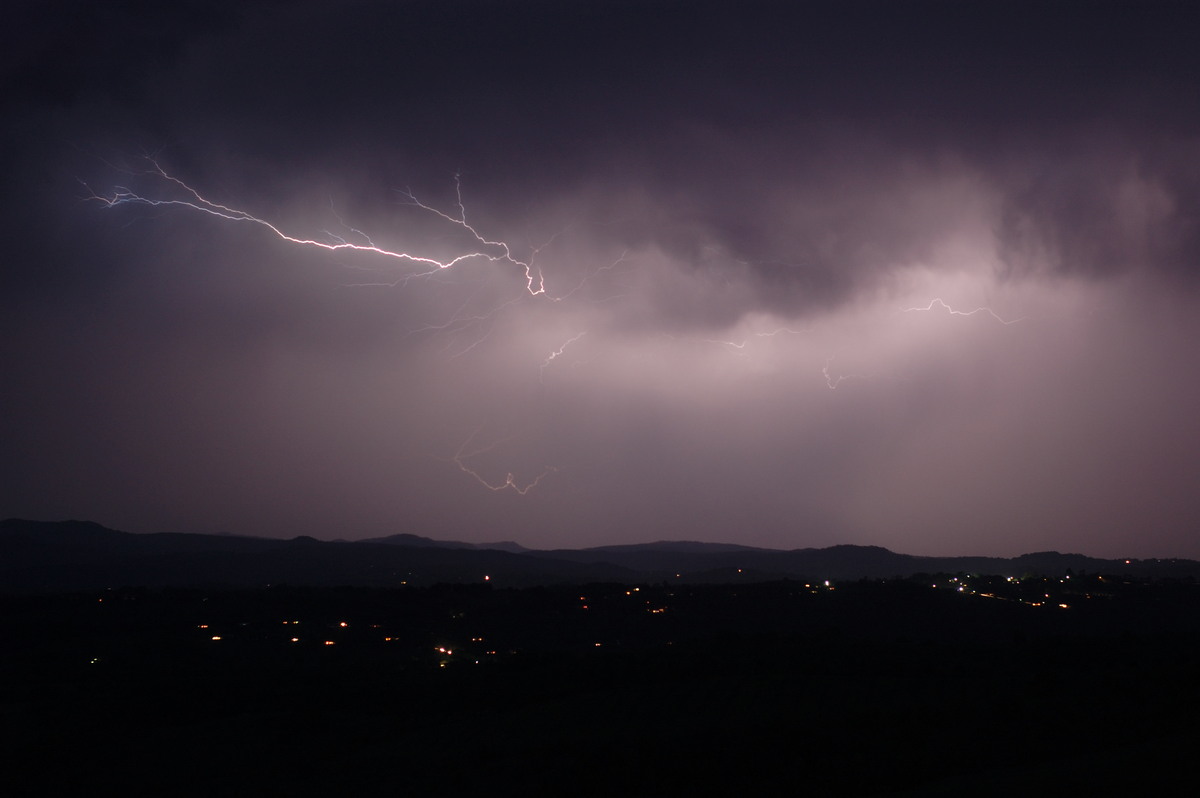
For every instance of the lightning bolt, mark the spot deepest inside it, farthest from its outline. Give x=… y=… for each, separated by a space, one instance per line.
x=510 y=480
x=493 y=251
x=556 y=353
x=953 y=312
x=833 y=382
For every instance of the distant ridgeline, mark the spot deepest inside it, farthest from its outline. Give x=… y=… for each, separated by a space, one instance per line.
x=42 y=557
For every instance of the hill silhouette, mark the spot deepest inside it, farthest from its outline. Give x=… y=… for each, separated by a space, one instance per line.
x=38 y=556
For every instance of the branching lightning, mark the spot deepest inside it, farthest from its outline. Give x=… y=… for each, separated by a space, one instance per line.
x=356 y=240
x=953 y=312
x=493 y=251
x=510 y=480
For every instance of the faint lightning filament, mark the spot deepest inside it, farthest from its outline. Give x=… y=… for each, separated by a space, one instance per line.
x=833 y=382
x=510 y=480
x=953 y=312
x=557 y=353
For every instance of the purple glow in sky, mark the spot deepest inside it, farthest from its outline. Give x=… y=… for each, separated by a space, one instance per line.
x=917 y=275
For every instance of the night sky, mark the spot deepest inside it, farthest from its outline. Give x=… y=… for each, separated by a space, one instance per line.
x=918 y=275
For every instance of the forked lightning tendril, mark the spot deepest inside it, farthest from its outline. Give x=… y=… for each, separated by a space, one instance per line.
x=491 y=250
x=953 y=312
x=833 y=382
x=510 y=480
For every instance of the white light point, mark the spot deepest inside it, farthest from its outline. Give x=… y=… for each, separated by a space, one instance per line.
x=953 y=312
x=510 y=480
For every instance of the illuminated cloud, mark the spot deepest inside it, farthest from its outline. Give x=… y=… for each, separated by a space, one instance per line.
x=878 y=275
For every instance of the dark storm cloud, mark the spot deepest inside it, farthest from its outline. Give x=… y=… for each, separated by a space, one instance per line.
x=735 y=210
x=1108 y=208
x=858 y=109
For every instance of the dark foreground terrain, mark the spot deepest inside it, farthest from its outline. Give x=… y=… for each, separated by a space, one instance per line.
x=938 y=685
